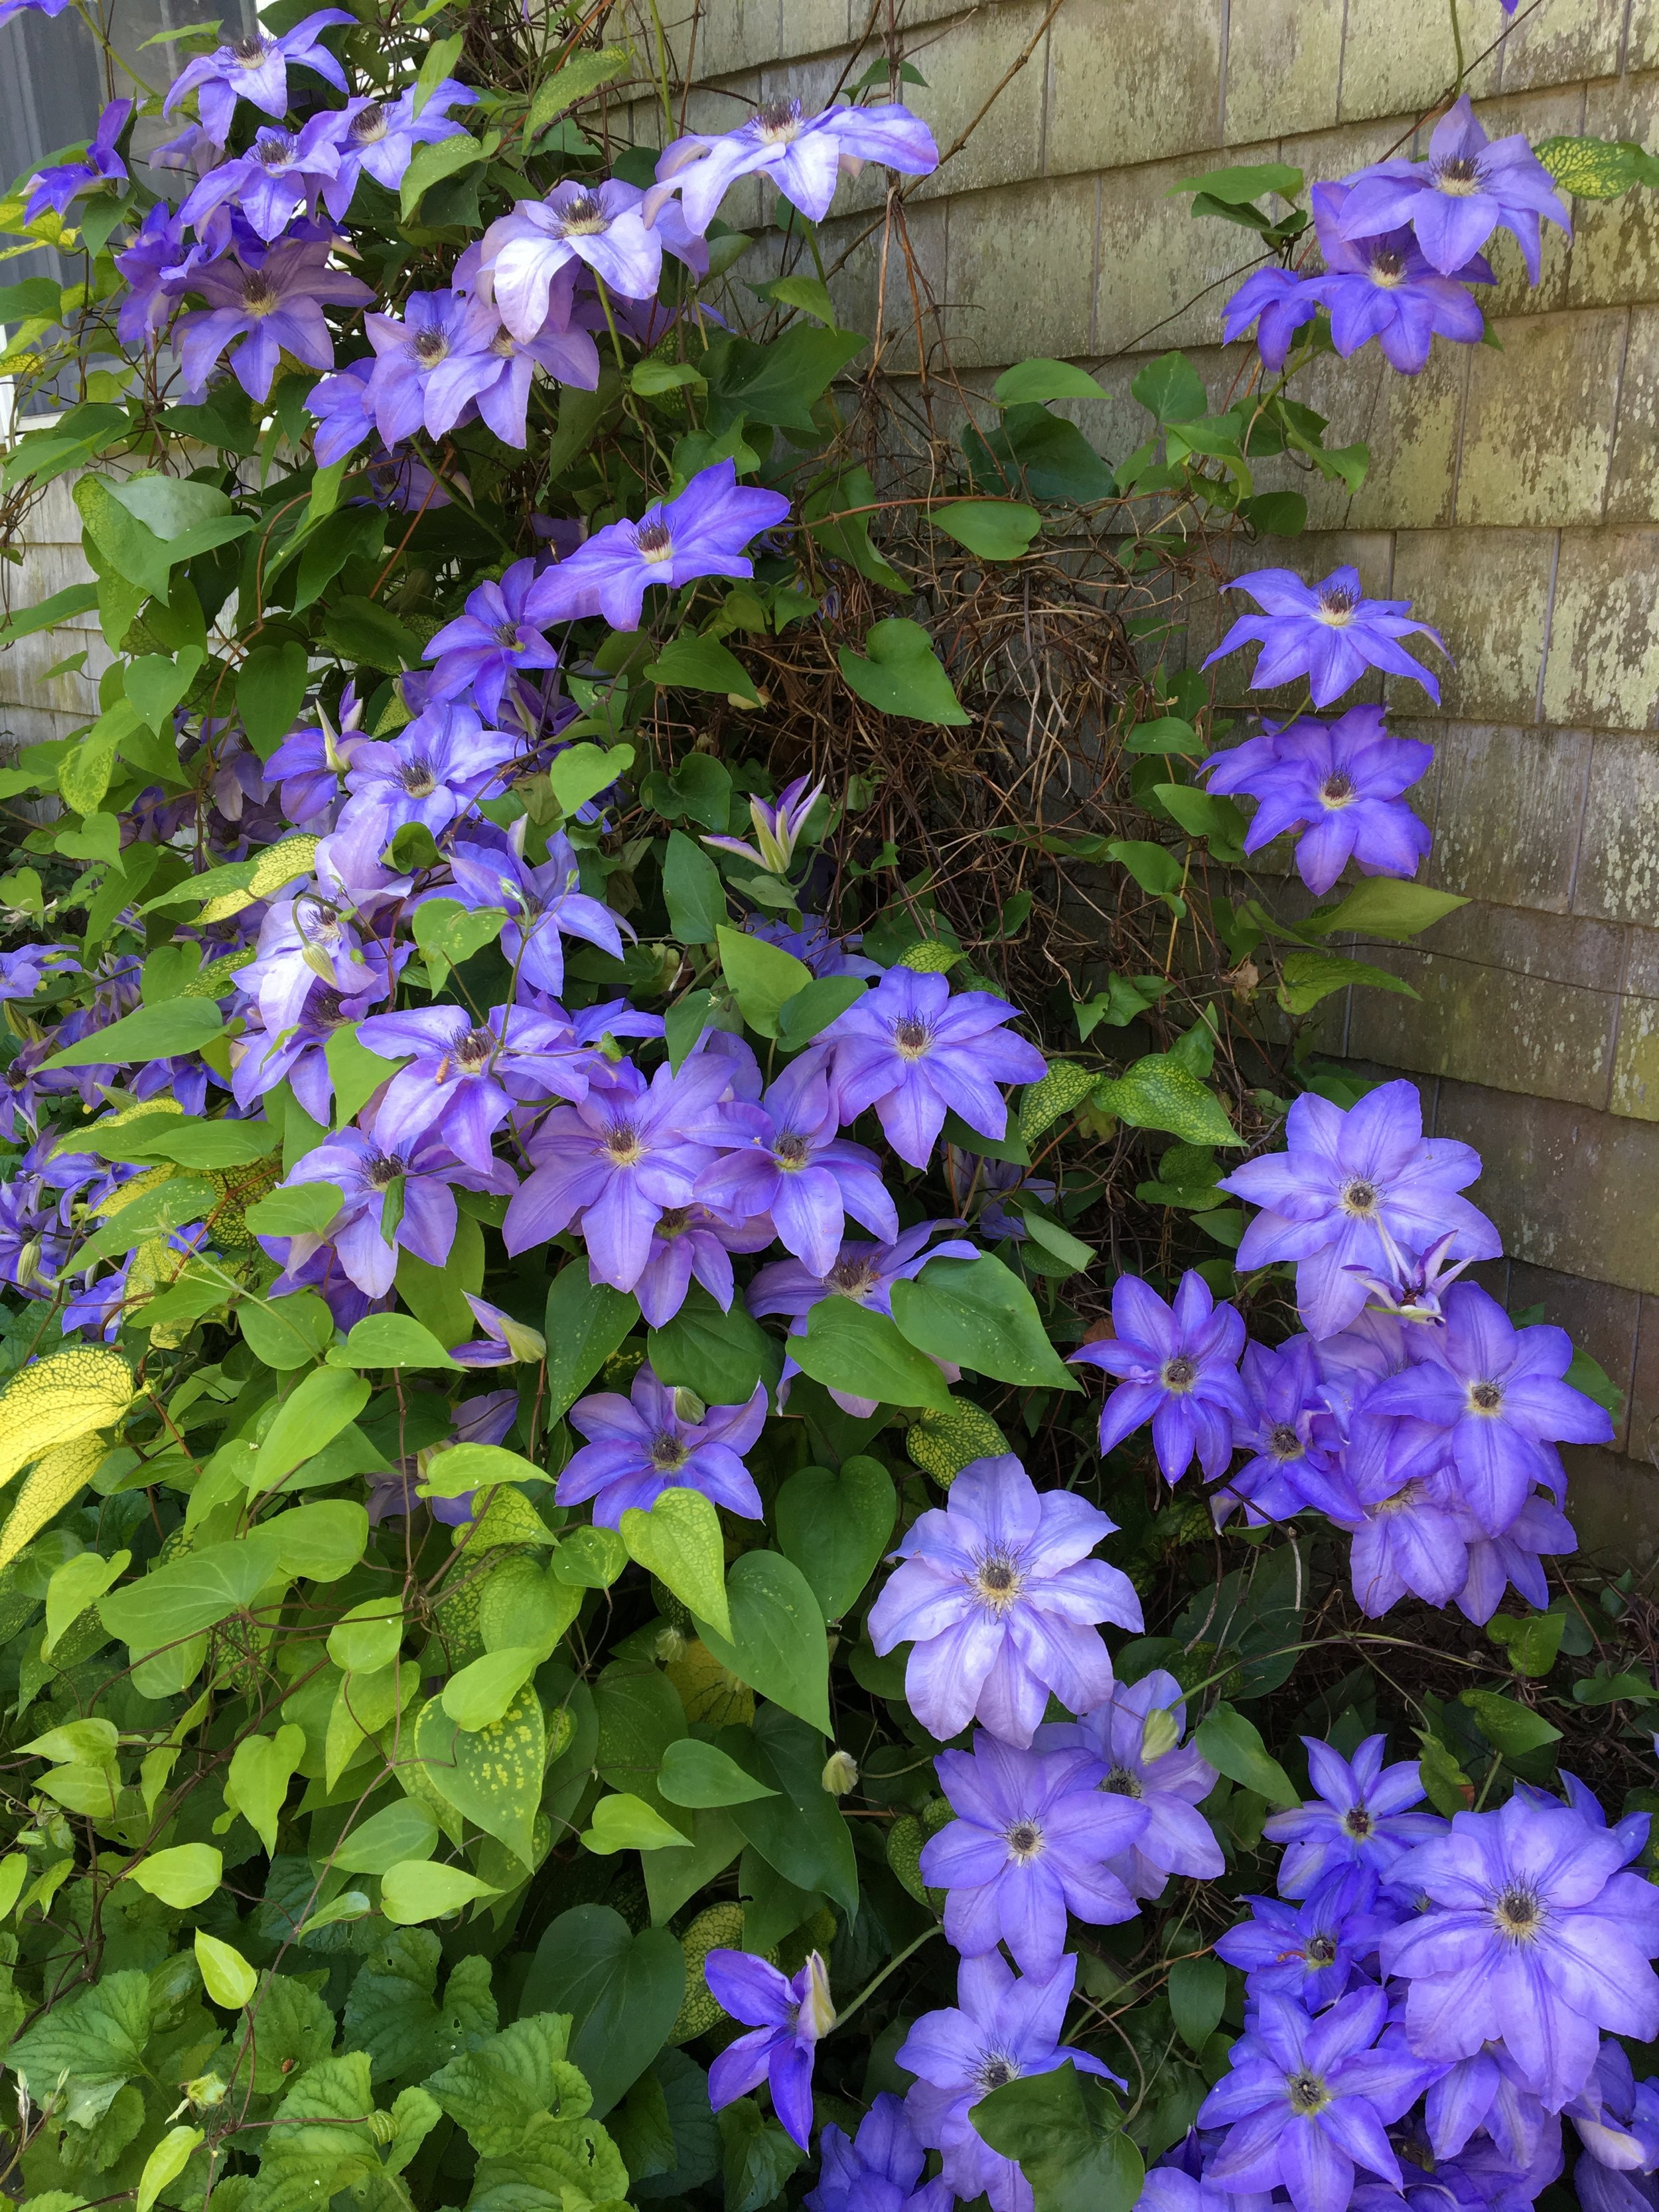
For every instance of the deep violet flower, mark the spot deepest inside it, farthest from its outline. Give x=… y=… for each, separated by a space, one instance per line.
x=1499 y=1395
x=701 y=533
x=543 y=242
x=254 y=67
x=879 y=2170
x=99 y=165
x=1278 y=302
x=1145 y=1761
x=791 y=1164
x=1339 y=785
x=687 y=1241
x=381 y=136
x=274 y=308
x=464 y=1078
x=1358 y=1815
x=639 y=1446
x=778 y=822
x=280 y=176
x=1178 y=1367
x=1294 y=1441
x=1329 y=632
x=1383 y=287
x=813 y=945
x=1345 y=1174
x=1032 y=1841
x=1002 y=2029
x=1534 y=1938
x=489 y=643
x=342 y=407
x=544 y=904
x=25 y=970
x=1306 y=2100
x=788 y=2017
x=802 y=154
x=1308 y=1951
x=915 y=1053
x=391 y=1197
x=999 y=1595
x=150 y=289
x=1469 y=186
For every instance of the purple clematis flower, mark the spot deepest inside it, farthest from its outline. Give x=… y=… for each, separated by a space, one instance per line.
x=25 y=971
x=281 y=175
x=879 y=2170
x=1169 y=2187
x=298 y=1054
x=1032 y=1841
x=793 y=1165
x=1383 y=287
x=700 y=534
x=505 y=1342
x=813 y=945
x=311 y=761
x=255 y=68
x=802 y=154
x=1278 y=302
x=1307 y=2101
x=542 y=243
x=343 y=409
x=865 y=1272
x=391 y=1197
x=427 y=366
x=491 y=641
x=8 y=8
x=491 y=369
x=274 y=308
x=915 y=1053
x=151 y=290
x=1001 y=2029
x=1468 y=187
x=1179 y=1370
x=639 y=1446
x=1310 y=1951
x=1534 y=1938
x=544 y=904
x=1409 y=1534
x=778 y=824
x=1144 y=1763
x=690 y=1241
x=1329 y=632
x=379 y=137
x=615 y=1163
x=1538 y=1530
x=99 y=165
x=1000 y=1596
x=1347 y=1174
x=789 y=2018
x=464 y=1077
x=429 y=773
x=1499 y=1395
x=1294 y=1441
x=1338 y=784
x=1617 y=2117
x=1358 y=1816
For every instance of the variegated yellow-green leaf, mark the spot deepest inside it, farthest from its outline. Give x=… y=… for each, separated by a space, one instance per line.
x=942 y=1445
x=492 y=1774
x=1065 y=1086
x=54 y=1480
x=278 y=865
x=64 y=1396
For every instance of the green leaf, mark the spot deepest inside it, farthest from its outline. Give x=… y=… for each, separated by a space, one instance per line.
x=1154 y=867
x=157 y=682
x=1062 y=1090
x=261 y=1768
x=1511 y=1727
x=584 y=71
x=1234 y=1747
x=187 y=1874
x=702 y=664
x=650 y=378
x=479 y=1694
x=756 y=2157
x=1311 y=977
x=1234 y=187
x=623 y=1822
x=298 y=1210
x=777 y=1644
x=177 y=1027
x=943 y=1444
x=1171 y=389
x=449 y=933
x=584 y=1324
x=836 y=1527
x=191 y=1593
x=815 y=1005
x=838 y=515
x=460 y=1468
x=994 y=529
x=582 y=772
x=1587 y=1374
x=1065 y=2130
x=1037 y=380
x=313 y=1412
x=28 y=301
x=362 y=632
x=271 y=689
x=780 y=383
x=1385 y=906
x=496 y=2090
x=1158 y=1092
x=902 y=675
x=404 y=1830
x=492 y=1774
x=431 y=165
x=422 y=1889
x=1198 y=1991
x=226 y=1974
x=623 y=1992
x=389 y=1340
x=977 y=1314
x=805 y=293
x=679 y=1541
x=1040 y=454
x=692 y=888
x=800 y=1833
x=166 y=2163
x=852 y=1348
x=723 y=1357
x=1168 y=733
x=700 y=1775
x=48 y=614
x=93 y=2043
x=321 y=1542
x=1533 y=1643
x=761 y=977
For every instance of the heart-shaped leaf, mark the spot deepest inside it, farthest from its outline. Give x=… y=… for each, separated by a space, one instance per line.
x=156 y=684
x=679 y=1541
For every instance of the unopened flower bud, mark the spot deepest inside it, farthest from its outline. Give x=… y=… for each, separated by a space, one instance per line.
x=840 y=1773
x=206 y=2090
x=688 y=1406
x=671 y=1645
x=382 y=2127
x=1158 y=1734
x=524 y=1343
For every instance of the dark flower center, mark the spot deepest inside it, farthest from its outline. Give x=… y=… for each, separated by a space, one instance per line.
x=667 y=1452
x=996 y=2071
x=259 y=295
x=1388 y=268
x=417 y=779
x=1306 y=2093
x=778 y=121
x=1337 y=790
x=316 y=918
x=1321 y=1950
x=384 y=1170
x=1412 y=1495
x=273 y=149
x=1283 y=1442
x=584 y=217
x=1458 y=174
x=1024 y=1841
x=326 y=1005
x=1179 y=1374
x=1359 y=1196
x=852 y=1278
x=504 y=345
x=1337 y=602
x=251 y=50
x=624 y=1144
x=1357 y=1821
x=1518 y=1913
x=1122 y=1784
x=472 y=1048
x=430 y=348
x=368 y=124
x=654 y=541
x=791 y=1153
x=675 y=1222
x=912 y=1037
x=506 y=634
x=997 y=1580
x=1486 y=1397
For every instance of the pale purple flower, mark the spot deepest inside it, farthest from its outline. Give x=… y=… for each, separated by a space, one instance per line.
x=914 y=1052
x=464 y=1077
x=99 y=165
x=392 y=1198
x=491 y=370
x=1308 y=1951
x=298 y=1053
x=701 y=533
x=1469 y=186
x=1347 y=1174
x=1538 y=1530
x=541 y=244
x=429 y=773
x=1413 y=1286
x=1294 y=1441
x=801 y=155
x=778 y=824
x=864 y=1273
x=489 y=643
x=311 y=761
x=1534 y=1938
x=1000 y=1596
x=879 y=2171
x=687 y=1241
x=1499 y=1395
x=8 y=8
x=1003 y=2029
x=274 y=308
x=1617 y=2117
x=1359 y=1816
x=1329 y=632
x=26 y=969
x=1382 y=287
x=99 y=1305
x=151 y=290
x=1486 y=2092
x=254 y=67
x=639 y=1446
x=791 y=1164
x=344 y=415
x=280 y=176
x=1410 y=1535
x=1169 y=1781
x=304 y=938
x=381 y=136
x=505 y=1342
x=427 y=366
x=1178 y=1367
x=1032 y=1841
x=1169 y=2187
x=789 y=2018
x=1278 y=302
x=1338 y=784
x=544 y=904
x=1308 y=2099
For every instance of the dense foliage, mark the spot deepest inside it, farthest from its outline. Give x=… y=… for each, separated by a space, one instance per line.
x=573 y=1172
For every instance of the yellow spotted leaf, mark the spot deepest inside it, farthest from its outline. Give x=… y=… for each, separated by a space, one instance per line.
x=277 y=866
x=56 y=1479
x=942 y=1445
x=492 y=1774
x=61 y=1397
